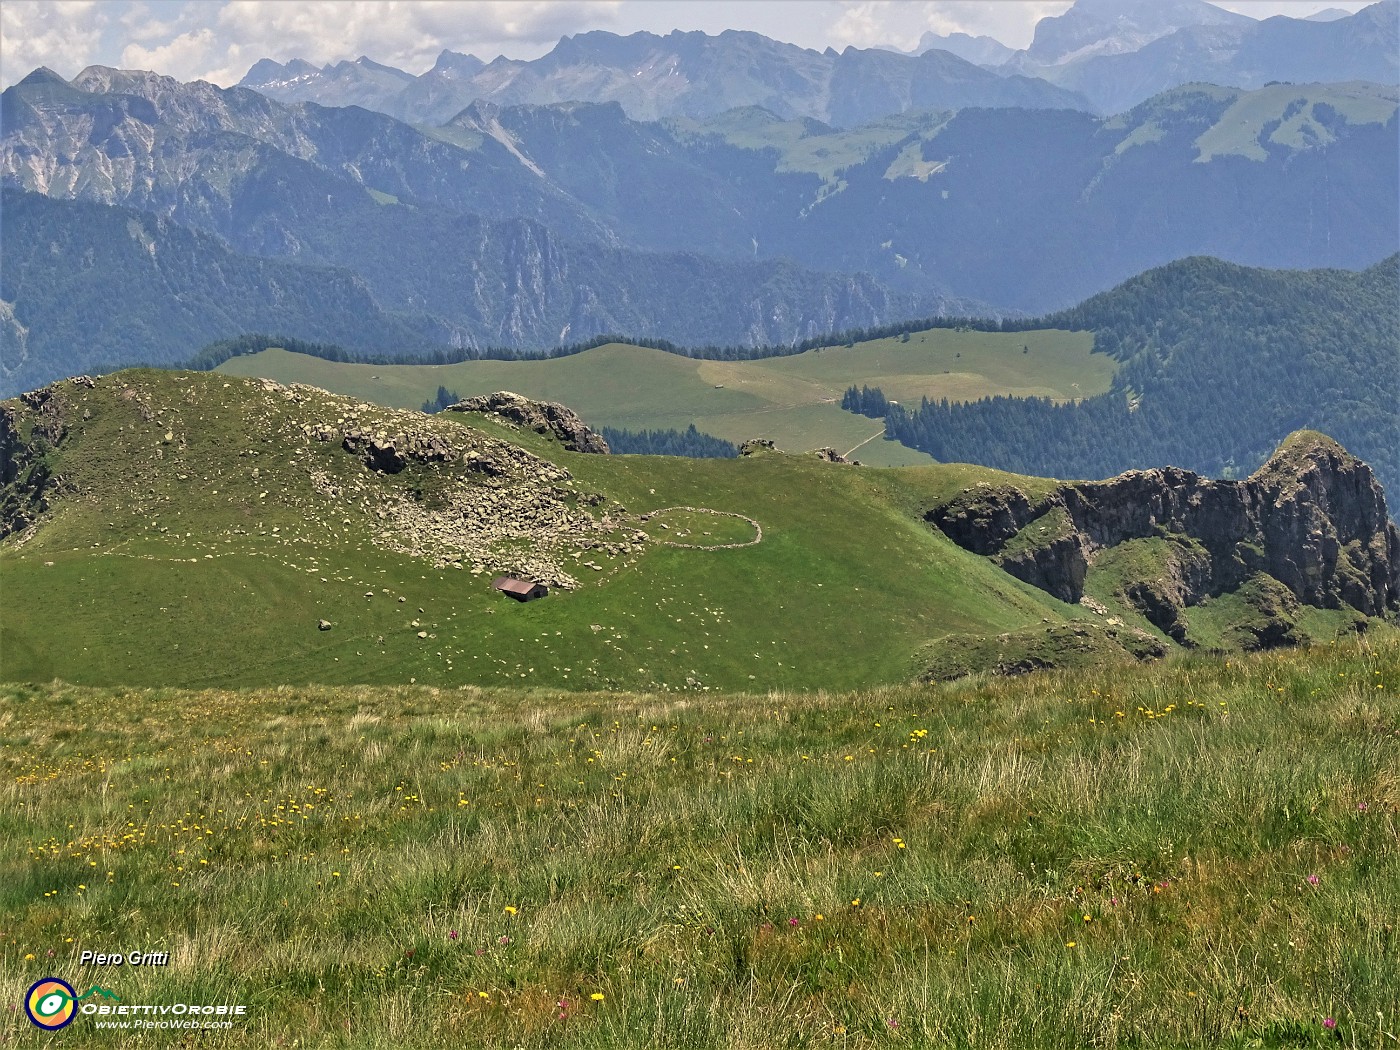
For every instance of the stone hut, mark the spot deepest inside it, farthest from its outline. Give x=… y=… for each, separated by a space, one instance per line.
x=520 y=590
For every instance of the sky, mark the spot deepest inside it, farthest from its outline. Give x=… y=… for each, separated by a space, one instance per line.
x=217 y=40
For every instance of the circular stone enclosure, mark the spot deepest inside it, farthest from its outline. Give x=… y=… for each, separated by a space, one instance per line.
x=701 y=527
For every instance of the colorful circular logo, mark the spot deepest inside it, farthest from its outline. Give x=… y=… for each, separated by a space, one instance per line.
x=51 y=1003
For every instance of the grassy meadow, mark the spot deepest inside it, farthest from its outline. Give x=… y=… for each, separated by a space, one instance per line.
x=1205 y=852
x=794 y=401
x=196 y=550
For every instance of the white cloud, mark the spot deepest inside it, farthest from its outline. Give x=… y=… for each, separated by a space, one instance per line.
x=900 y=24
x=867 y=24
x=404 y=33
x=1011 y=23
x=193 y=50
x=61 y=34
x=141 y=26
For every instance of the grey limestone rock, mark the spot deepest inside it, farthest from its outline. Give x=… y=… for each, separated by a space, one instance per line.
x=543 y=417
x=1313 y=518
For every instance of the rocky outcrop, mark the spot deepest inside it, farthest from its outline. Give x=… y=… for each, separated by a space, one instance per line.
x=543 y=417
x=389 y=454
x=755 y=446
x=28 y=440
x=1058 y=566
x=830 y=455
x=10 y=447
x=471 y=501
x=1326 y=532
x=1312 y=518
x=984 y=518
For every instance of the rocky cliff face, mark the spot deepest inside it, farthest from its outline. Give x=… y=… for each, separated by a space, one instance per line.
x=1313 y=518
x=543 y=417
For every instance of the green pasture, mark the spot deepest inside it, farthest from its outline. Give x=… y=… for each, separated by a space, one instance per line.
x=793 y=401
x=1239 y=128
x=808 y=146
x=208 y=559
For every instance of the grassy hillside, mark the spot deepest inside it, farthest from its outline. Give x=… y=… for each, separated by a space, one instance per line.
x=1293 y=116
x=1218 y=364
x=1201 y=854
x=202 y=531
x=795 y=401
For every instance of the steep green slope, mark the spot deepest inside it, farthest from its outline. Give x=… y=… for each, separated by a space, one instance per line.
x=791 y=400
x=199 y=528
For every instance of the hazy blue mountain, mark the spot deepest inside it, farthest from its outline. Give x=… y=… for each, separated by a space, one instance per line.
x=979 y=50
x=1363 y=46
x=88 y=287
x=362 y=82
x=688 y=74
x=634 y=172
x=1107 y=27
x=203 y=155
x=1101 y=55
x=528 y=225
x=1033 y=210
x=438 y=93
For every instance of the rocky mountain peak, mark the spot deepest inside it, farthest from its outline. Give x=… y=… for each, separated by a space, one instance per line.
x=455 y=63
x=107 y=79
x=1116 y=26
x=267 y=71
x=42 y=75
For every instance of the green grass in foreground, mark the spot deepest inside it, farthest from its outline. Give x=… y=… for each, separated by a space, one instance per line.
x=795 y=401
x=1198 y=853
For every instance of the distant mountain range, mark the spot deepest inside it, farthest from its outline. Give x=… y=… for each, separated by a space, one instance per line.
x=678 y=75
x=1236 y=51
x=529 y=226
x=983 y=51
x=1104 y=56
x=1109 y=27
